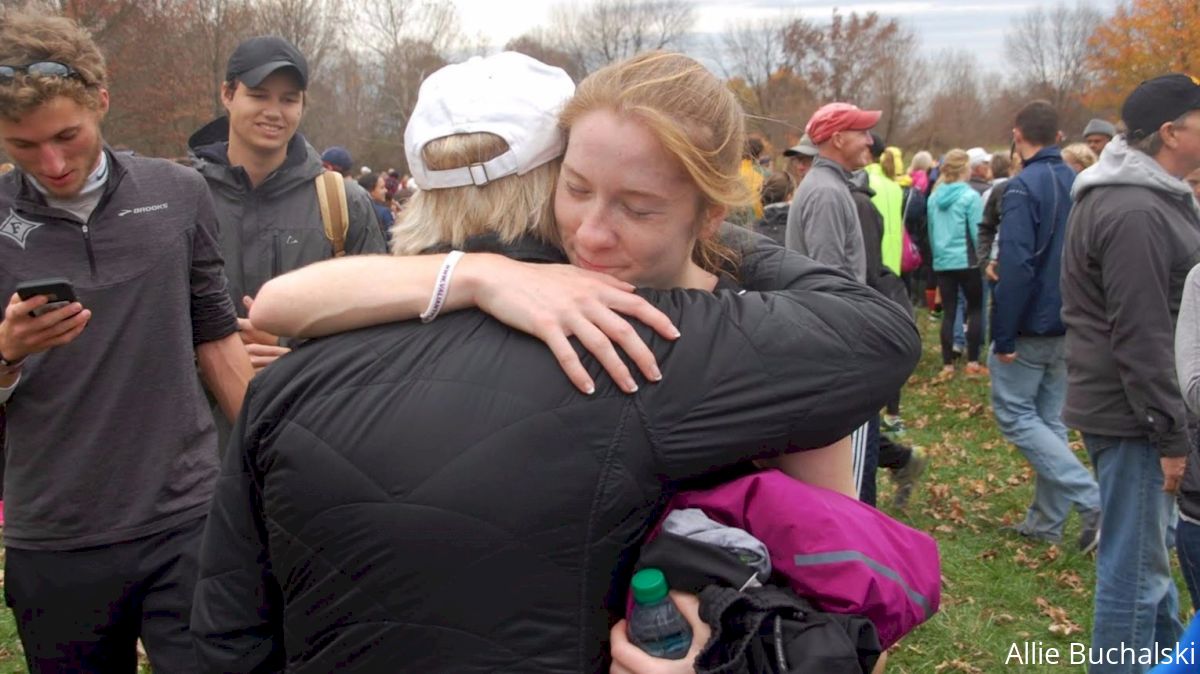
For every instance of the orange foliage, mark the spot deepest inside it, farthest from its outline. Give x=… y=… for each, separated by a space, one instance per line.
x=1144 y=39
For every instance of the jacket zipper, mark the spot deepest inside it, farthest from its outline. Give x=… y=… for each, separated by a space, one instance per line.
x=87 y=242
x=275 y=263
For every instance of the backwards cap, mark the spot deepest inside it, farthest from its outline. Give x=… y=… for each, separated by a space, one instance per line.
x=510 y=95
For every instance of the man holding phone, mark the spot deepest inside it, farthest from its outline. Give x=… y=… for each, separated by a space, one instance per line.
x=111 y=448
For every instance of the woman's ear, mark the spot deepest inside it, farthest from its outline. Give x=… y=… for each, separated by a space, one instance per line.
x=714 y=215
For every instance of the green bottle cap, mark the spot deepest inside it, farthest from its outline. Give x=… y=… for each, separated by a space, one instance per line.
x=649 y=586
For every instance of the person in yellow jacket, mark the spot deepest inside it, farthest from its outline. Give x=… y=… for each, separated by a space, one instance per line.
x=753 y=175
x=888 y=198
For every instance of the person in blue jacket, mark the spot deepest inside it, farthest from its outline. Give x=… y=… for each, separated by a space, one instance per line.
x=955 y=211
x=1028 y=365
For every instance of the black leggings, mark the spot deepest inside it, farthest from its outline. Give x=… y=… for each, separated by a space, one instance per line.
x=972 y=284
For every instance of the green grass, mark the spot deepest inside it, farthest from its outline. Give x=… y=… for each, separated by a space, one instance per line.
x=997 y=589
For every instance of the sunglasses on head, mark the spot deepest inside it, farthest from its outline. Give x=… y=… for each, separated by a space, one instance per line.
x=39 y=69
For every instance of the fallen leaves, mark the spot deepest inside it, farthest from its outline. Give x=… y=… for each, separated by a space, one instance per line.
x=1060 y=623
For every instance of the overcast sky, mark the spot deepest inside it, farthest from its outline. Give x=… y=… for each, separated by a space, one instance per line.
x=976 y=25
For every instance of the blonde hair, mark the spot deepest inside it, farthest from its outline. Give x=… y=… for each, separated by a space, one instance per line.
x=955 y=167
x=921 y=161
x=695 y=117
x=1080 y=154
x=508 y=207
x=892 y=163
x=27 y=38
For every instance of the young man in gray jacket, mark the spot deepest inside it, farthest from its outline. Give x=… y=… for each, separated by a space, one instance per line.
x=261 y=173
x=111 y=448
x=1132 y=237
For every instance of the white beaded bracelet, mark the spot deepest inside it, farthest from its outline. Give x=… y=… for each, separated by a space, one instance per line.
x=441 y=288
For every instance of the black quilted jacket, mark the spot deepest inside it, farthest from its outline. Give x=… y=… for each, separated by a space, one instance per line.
x=439 y=498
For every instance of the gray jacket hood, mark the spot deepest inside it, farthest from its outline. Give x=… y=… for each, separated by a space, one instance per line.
x=1120 y=164
x=208 y=149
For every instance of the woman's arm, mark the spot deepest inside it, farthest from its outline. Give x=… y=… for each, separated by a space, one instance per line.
x=1187 y=342
x=552 y=302
x=830 y=467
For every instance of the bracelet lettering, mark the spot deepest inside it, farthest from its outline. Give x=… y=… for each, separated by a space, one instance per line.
x=441 y=288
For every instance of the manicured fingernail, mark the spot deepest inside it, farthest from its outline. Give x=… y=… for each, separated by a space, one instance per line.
x=656 y=375
x=630 y=386
x=590 y=389
x=677 y=333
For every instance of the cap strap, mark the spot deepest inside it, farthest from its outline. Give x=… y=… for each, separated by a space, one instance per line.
x=478 y=174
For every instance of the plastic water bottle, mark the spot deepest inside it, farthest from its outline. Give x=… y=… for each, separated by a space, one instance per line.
x=656 y=626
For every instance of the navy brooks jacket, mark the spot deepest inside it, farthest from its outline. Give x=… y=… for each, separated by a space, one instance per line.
x=1032 y=230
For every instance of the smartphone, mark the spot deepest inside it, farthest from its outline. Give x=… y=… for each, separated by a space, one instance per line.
x=59 y=291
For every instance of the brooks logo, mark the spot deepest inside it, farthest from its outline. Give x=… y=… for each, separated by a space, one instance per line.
x=143 y=209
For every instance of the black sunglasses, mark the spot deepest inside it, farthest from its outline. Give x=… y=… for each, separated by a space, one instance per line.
x=40 y=69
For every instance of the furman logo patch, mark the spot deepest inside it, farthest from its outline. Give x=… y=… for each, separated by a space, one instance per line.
x=17 y=228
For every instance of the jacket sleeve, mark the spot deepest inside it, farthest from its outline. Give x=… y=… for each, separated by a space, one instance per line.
x=1016 y=288
x=974 y=217
x=213 y=314
x=990 y=224
x=237 y=621
x=1187 y=342
x=364 y=236
x=801 y=360
x=824 y=239
x=1136 y=259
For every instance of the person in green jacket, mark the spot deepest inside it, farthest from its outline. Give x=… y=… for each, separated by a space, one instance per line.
x=888 y=199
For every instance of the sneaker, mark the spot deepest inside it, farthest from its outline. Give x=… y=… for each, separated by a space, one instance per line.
x=1089 y=536
x=906 y=477
x=892 y=424
x=1021 y=531
x=975 y=370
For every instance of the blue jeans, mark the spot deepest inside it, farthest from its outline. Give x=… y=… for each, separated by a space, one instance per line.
x=1187 y=545
x=1027 y=396
x=1136 y=599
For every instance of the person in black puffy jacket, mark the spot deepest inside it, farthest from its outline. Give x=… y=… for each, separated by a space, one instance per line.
x=437 y=497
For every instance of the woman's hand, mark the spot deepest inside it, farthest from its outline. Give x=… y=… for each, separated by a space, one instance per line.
x=555 y=301
x=629 y=659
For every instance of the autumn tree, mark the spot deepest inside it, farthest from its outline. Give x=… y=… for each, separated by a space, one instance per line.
x=1049 y=51
x=539 y=45
x=1144 y=39
x=858 y=58
x=956 y=105
x=605 y=31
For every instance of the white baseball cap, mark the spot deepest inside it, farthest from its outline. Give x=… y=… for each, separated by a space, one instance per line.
x=977 y=155
x=511 y=95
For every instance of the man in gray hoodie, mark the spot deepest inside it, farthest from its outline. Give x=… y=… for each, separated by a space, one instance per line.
x=1132 y=237
x=261 y=173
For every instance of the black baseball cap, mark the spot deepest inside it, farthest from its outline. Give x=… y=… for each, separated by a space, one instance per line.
x=877 y=145
x=258 y=57
x=1158 y=101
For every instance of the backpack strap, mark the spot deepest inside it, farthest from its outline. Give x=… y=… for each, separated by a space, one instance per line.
x=335 y=213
